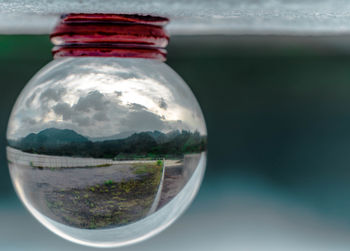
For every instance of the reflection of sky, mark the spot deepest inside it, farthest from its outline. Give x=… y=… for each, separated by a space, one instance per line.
x=104 y=97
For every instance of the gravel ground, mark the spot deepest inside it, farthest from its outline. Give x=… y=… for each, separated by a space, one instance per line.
x=40 y=182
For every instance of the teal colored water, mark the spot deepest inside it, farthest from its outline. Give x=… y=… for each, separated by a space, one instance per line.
x=277 y=111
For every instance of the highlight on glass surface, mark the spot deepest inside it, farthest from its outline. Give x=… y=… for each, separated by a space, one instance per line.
x=106 y=151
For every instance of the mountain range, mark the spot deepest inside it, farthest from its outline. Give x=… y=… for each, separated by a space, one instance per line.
x=121 y=135
x=65 y=142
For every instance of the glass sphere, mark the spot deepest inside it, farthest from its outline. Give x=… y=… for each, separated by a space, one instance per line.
x=106 y=151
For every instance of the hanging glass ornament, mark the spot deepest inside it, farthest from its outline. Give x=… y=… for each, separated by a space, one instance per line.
x=107 y=144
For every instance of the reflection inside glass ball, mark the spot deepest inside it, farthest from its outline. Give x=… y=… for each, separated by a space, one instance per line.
x=109 y=144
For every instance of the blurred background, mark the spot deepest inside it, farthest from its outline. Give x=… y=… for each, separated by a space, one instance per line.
x=278 y=115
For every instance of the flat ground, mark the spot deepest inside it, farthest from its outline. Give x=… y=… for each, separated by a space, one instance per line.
x=105 y=195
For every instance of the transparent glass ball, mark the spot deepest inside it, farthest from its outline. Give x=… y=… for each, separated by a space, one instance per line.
x=106 y=151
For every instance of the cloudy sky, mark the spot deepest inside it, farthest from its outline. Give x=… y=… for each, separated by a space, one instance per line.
x=101 y=97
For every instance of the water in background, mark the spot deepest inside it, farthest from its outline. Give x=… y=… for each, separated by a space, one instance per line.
x=277 y=111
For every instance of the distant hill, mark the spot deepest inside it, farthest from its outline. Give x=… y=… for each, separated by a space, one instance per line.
x=113 y=137
x=51 y=138
x=53 y=141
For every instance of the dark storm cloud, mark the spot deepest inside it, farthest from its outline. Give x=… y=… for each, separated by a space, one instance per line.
x=119 y=94
x=143 y=120
x=63 y=109
x=68 y=113
x=137 y=107
x=100 y=116
x=52 y=94
x=81 y=120
x=163 y=104
x=94 y=100
x=92 y=108
x=95 y=109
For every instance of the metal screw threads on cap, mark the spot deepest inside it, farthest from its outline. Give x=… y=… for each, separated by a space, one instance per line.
x=110 y=35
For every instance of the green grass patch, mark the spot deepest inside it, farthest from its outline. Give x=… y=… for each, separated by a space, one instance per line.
x=108 y=182
x=147 y=168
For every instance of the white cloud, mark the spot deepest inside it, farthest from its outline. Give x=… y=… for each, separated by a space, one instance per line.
x=102 y=97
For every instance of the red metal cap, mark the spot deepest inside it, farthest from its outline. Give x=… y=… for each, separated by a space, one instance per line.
x=110 y=35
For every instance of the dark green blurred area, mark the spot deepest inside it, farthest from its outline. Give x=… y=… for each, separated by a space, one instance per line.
x=20 y=58
x=277 y=108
